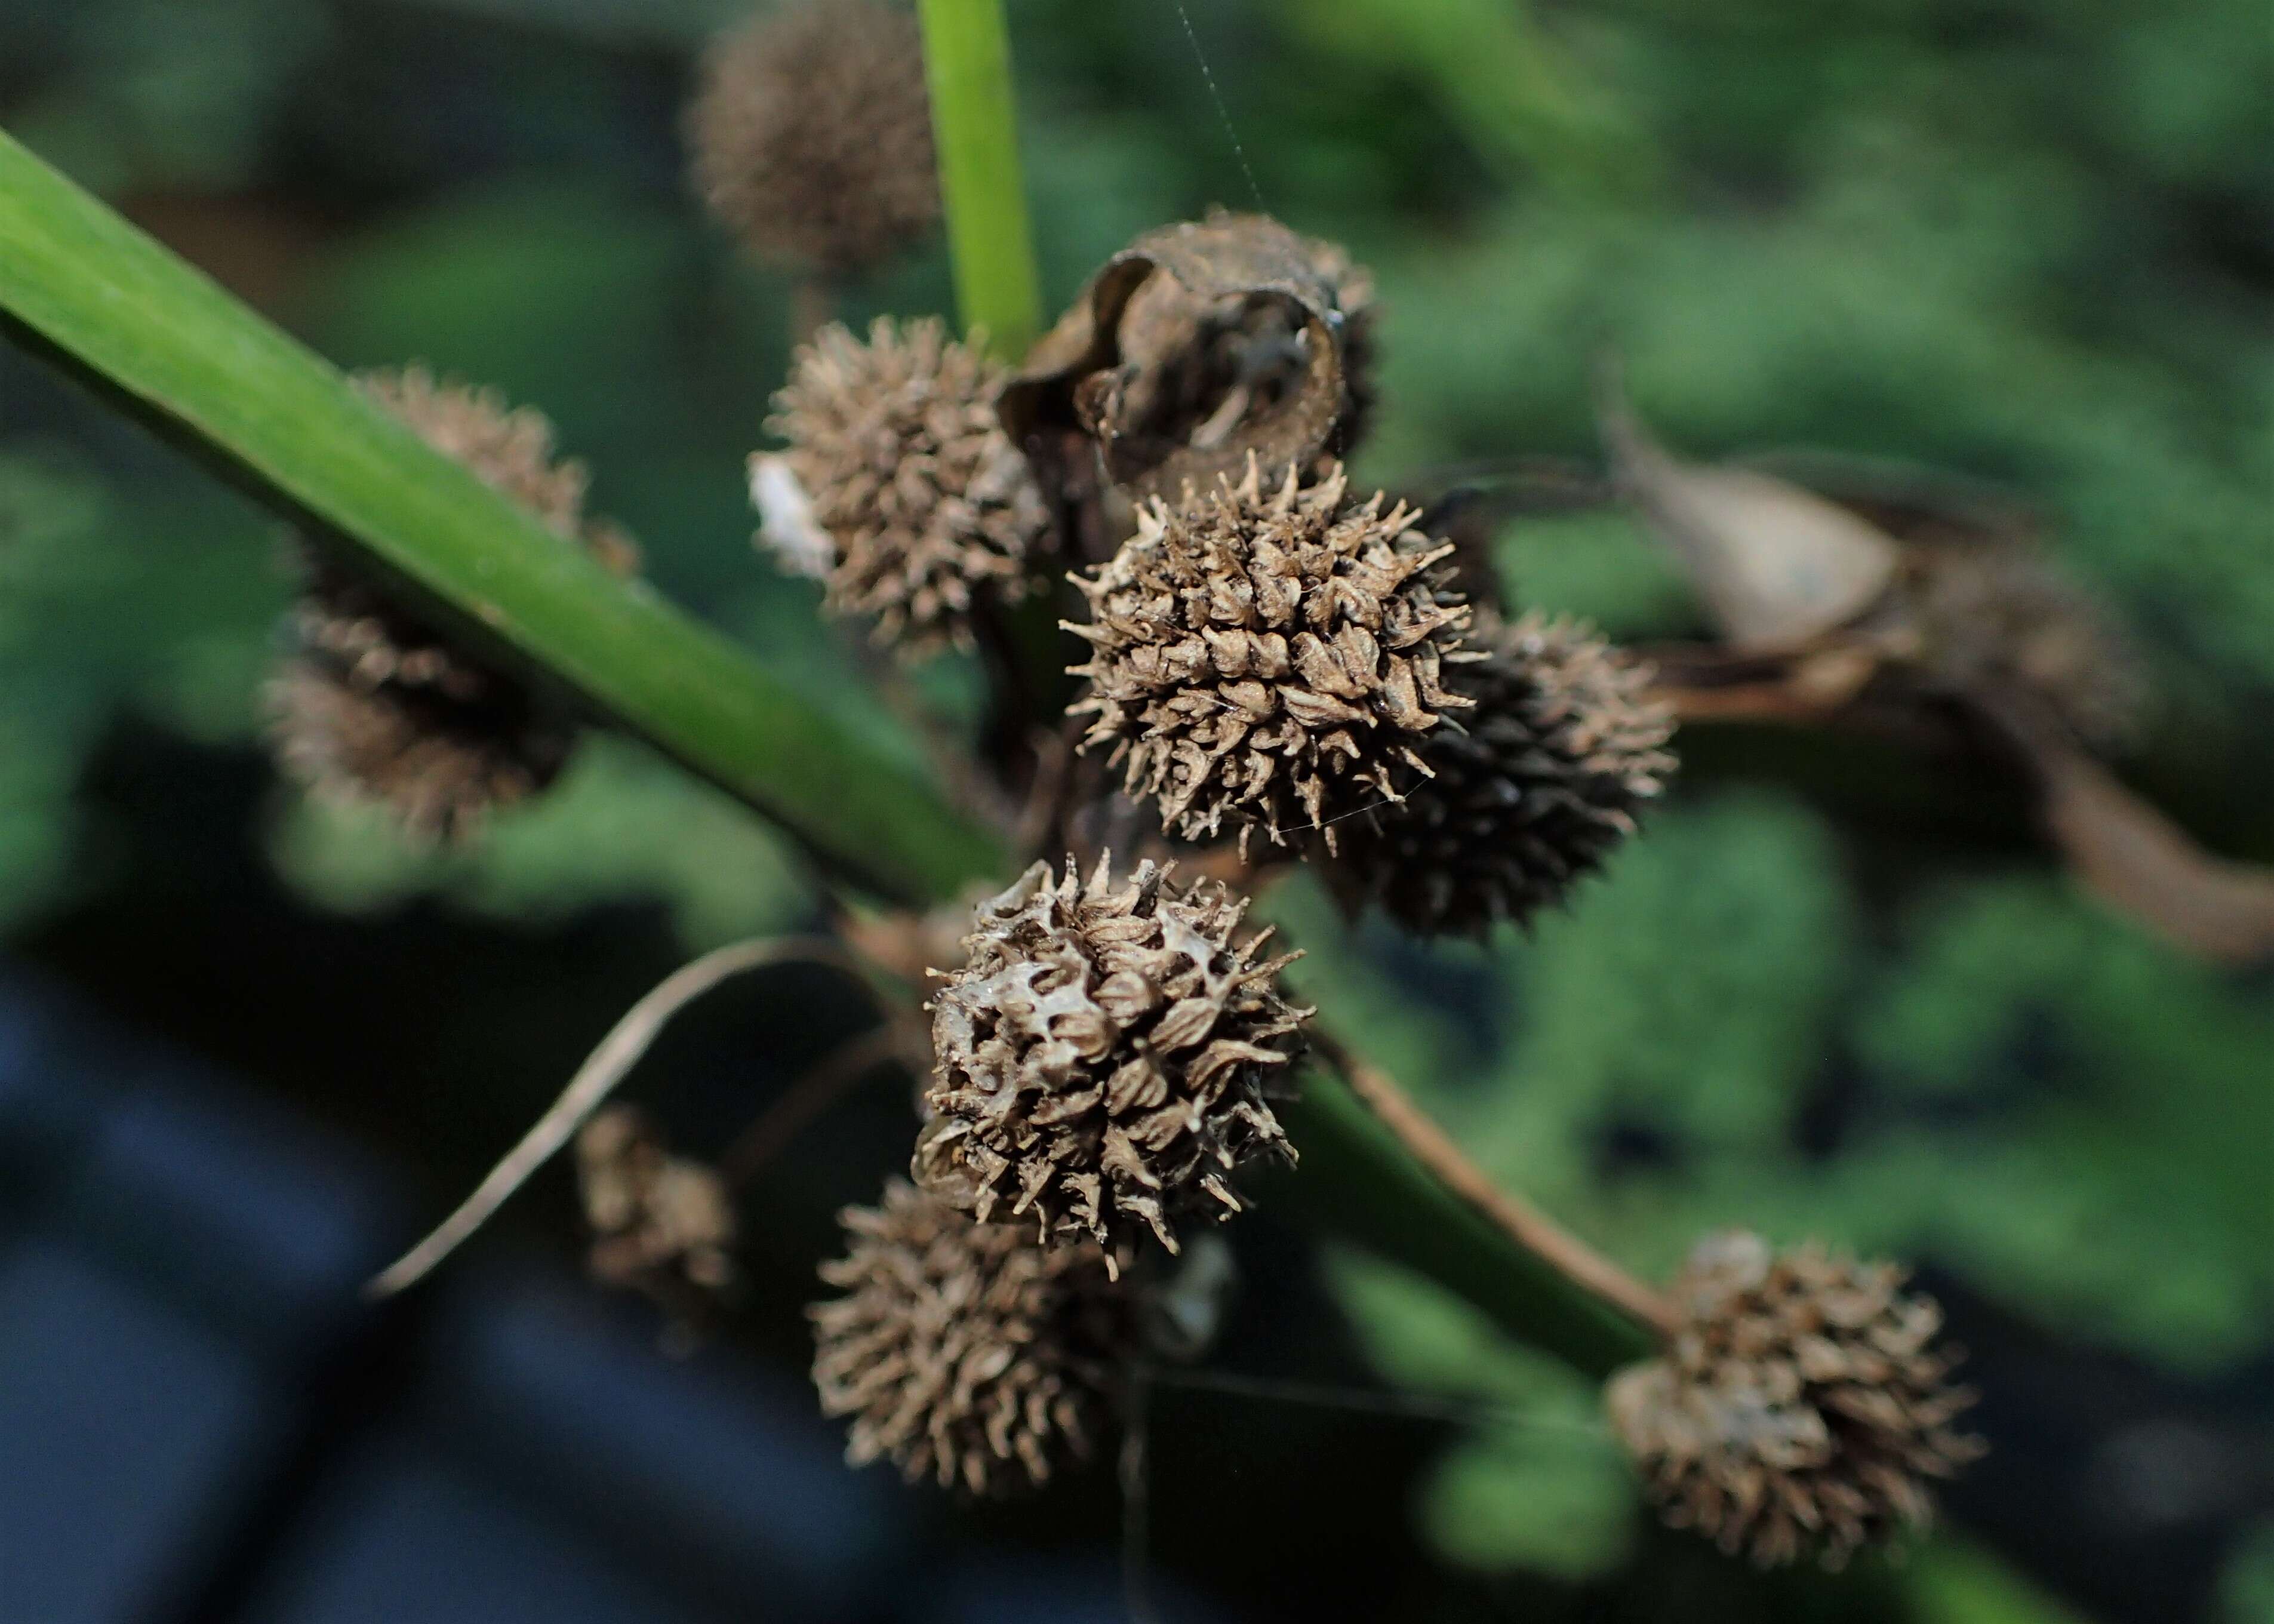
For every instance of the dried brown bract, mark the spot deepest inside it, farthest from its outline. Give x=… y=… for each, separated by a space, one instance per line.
x=661 y=1223
x=1106 y=1057
x=375 y=705
x=965 y=1353
x=811 y=135
x=1197 y=347
x=923 y=503
x=1539 y=783
x=1273 y=657
x=1802 y=1406
x=1199 y=367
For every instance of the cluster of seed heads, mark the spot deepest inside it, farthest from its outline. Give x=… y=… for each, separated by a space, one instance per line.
x=1276 y=654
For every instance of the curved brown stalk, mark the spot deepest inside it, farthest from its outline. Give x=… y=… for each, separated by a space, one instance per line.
x=1524 y=1224
x=607 y=1067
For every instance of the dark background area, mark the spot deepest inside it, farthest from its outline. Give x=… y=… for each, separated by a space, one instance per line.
x=249 y=1046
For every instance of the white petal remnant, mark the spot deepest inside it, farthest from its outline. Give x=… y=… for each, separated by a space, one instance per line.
x=785 y=520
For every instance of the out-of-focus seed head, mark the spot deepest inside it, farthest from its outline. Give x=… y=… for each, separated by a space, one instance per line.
x=1803 y=1406
x=913 y=501
x=1106 y=1057
x=1992 y=617
x=374 y=706
x=1540 y=781
x=662 y=1224
x=965 y=1353
x=1276 y=657
x=811 y=135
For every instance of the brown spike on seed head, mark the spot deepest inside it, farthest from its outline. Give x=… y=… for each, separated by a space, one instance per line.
x=1540 y=782
x=811 y=135
x=963 y=1352
x=1803 y=1405
x=373 y=704
x=1276 y=656
x=1106 y=1058
x=924 y=500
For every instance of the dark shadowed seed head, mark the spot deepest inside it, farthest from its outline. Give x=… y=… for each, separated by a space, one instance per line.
x=965 y=1353
x=1539 y=783
x=372 y=705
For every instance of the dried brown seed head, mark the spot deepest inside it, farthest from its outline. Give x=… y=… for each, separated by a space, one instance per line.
x=375 y=705
x=811 y=135
x=1540 y=782
x=1802 y=1406
x=661 y=1223
x=894 y=446
x=1106 y=1057
x=965 y=1353
x=1274 y=656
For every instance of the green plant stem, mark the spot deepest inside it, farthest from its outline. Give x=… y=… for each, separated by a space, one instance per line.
x=967 y=63
x=1358 y=1182
x=82 y=287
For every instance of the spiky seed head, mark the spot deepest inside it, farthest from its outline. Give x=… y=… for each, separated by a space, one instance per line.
x=1273 y=657
x=1539 y=783
x=1106 y=1058
x=922 y=498
x=965 y=1353
x=374 y=706
x=811 y=135
x=1802 y=1406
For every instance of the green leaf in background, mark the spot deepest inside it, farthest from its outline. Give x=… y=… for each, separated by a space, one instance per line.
x=1954 y=1582
x=2246 y=1589
x=2112 y=1170
x=1542 y=1487
x=621 y=826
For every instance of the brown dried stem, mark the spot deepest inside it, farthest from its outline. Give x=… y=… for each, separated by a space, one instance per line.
x=607 y=1067
x=1524 y=1224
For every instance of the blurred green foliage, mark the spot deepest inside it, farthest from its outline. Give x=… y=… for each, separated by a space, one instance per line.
x=2030 y=241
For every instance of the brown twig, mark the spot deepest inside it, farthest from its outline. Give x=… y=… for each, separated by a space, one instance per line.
x=607 y=1067
x=1523 y=1223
